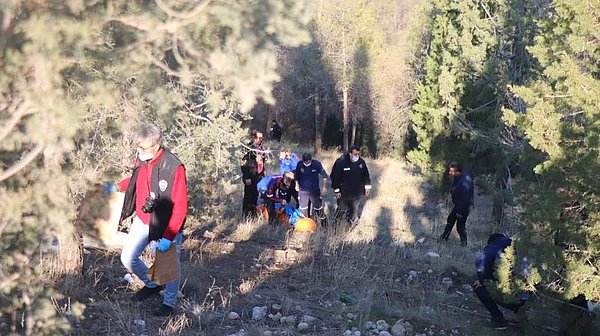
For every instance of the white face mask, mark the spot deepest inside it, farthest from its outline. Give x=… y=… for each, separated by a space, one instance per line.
x=145 y=156
x=306 y=164
x=354 y=158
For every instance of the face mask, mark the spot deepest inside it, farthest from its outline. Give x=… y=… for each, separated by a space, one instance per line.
x=306 y=164
x=145 y=156
x=354 y=158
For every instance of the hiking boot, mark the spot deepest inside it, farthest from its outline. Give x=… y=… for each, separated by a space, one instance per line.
x=145 y=293
x=164 y=310
x=498 y=324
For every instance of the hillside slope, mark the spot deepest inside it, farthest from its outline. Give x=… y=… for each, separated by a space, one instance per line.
x=333 y=282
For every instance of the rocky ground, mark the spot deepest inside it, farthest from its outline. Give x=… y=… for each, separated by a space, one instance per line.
x=387 y=276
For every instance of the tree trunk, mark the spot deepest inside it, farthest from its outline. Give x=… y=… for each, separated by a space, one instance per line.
x=318 y=131
x=353 y=134
x=268 y=114
x=345 y=117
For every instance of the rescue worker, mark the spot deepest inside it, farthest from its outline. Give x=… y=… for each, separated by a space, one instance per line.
x=350 y=180
x=278 y=192
x=157 y=194
x=486 y=267
x=462 y=196
x=288 y=161
x=309 y=192
x=275 y=131
x=253 y=170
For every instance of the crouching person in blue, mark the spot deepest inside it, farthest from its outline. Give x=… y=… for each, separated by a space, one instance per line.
x=156 y=194
x=278 y=192
x=486 y=267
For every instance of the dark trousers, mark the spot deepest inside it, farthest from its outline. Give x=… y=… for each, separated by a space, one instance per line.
x=492 y=306
x=250 y=198
x=293 y=194
x=347 y=209
x=460 y=226
x=308 y=198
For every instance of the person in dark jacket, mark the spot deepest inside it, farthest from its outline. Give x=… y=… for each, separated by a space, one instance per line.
x=350 y=181
x=307 y=180
x=462 y=192
x=253 y=170
x=275 y=131
x=278 y=192
x=157 y=194
x=486 y=267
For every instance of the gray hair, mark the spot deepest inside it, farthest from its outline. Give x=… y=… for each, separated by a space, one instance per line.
x=148 y=132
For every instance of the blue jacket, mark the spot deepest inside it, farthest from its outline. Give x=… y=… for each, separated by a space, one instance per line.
x=308 y=177
x=462 y=193
x=287 y=165
x=486 y=261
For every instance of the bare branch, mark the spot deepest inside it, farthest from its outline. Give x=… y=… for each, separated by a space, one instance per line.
x=22 y=163
x=180 y=15
x=18 y=113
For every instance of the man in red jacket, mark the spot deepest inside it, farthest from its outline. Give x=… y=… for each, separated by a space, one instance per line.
x=157 y=194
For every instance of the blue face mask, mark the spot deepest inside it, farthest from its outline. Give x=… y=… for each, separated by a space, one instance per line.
x=306 y=164
x=354 y=158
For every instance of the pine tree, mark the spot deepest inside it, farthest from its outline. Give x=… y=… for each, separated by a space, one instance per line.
x=456 y=113
x=76 y=76
x=561 y=219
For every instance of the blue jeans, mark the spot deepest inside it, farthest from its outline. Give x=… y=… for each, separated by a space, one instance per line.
x=134 y=246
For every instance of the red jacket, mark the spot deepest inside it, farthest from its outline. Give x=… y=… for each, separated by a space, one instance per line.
x=179 y=195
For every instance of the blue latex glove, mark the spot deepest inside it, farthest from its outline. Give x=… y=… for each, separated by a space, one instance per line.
x=163 y=245
x=108 y=188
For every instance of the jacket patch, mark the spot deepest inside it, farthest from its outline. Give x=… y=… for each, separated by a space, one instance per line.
x=162 y=184
x=347 y=168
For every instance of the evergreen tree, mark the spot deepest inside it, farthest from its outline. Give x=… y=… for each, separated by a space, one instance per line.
x=561 y=218
x=78 y=75
x=456 y=113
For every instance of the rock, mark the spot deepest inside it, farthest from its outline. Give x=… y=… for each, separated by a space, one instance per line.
x=288 y=319
x=357 y=333
x=384 y=333
x=382 y=325
x=432 y=255
x=276 y=306
x=267 y=333
x=467 y=288
x=308 y=319
x=276 y=317
x=302 y=326
x=140 y=323
x=210 y=235
x=402 y=328
x=369 y=325
x=421 y=240
x=350 y=316
x=348 y=333
x=447 y=282
x=259 y=313
x=233 y=316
